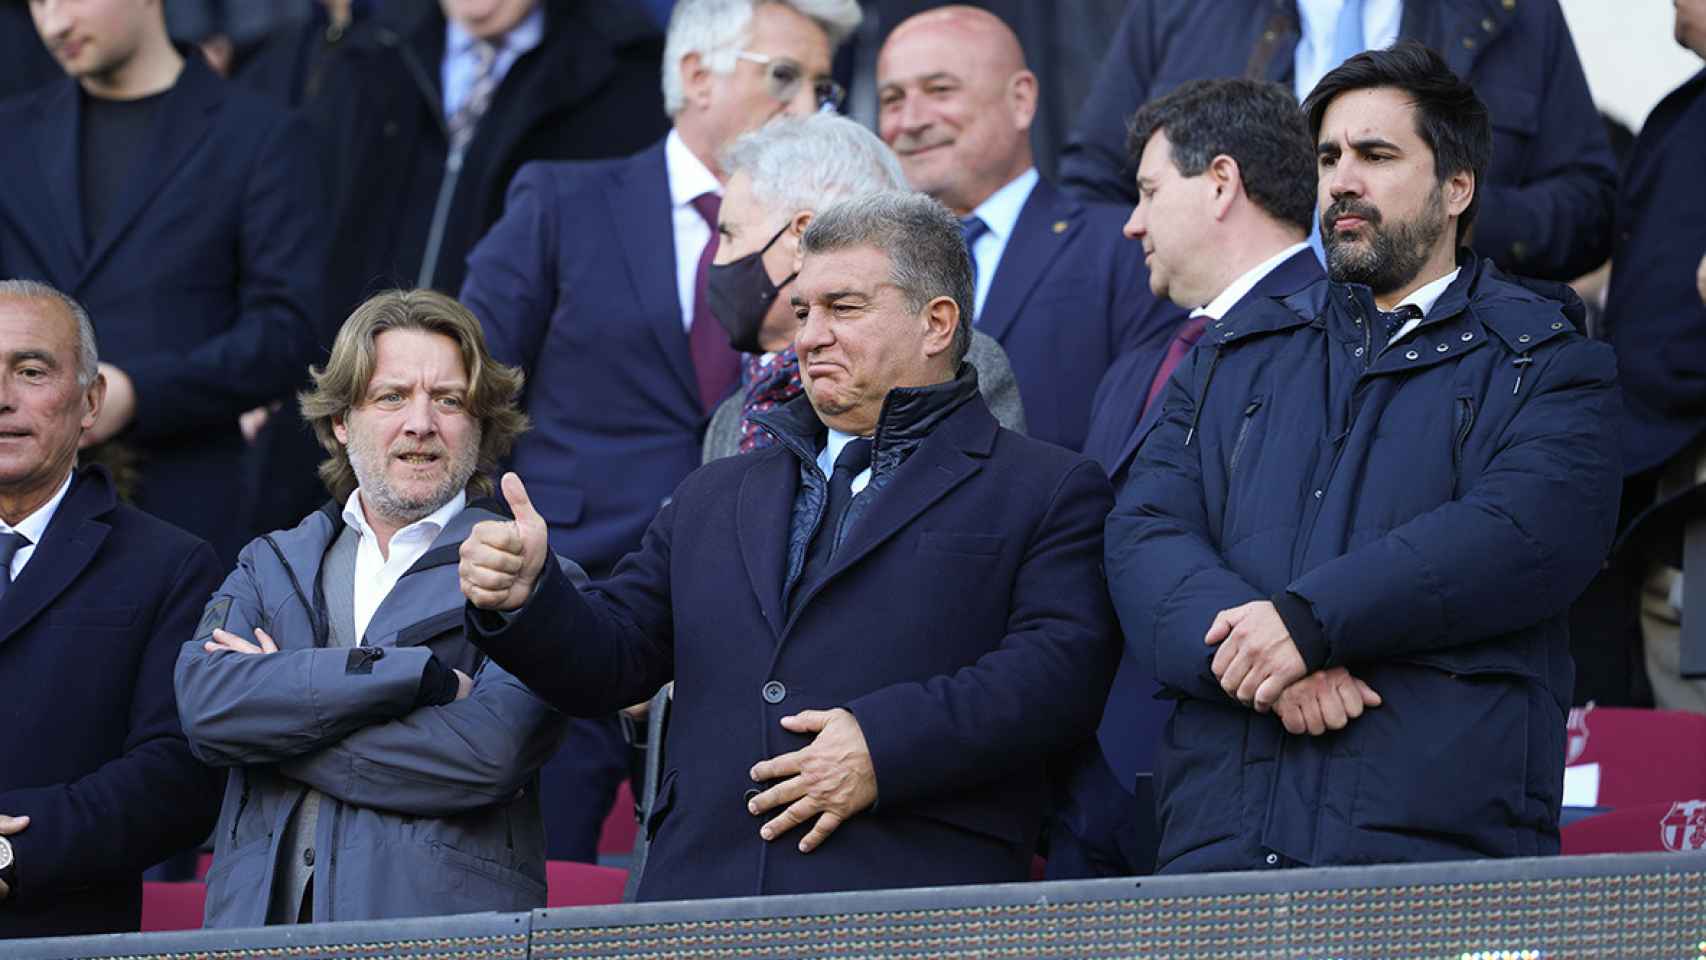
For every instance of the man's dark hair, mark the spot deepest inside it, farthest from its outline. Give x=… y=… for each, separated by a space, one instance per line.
x=1257 y=124
x=1450 y=118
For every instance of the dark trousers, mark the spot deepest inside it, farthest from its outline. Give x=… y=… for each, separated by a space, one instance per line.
x=1098 y=828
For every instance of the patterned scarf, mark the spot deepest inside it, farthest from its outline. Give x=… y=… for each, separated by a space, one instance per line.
x=768 y=385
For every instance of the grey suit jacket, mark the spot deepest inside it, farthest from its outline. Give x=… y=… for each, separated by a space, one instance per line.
x=994 y=380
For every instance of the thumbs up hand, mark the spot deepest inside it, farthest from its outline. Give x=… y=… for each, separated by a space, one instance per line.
x=502 y=559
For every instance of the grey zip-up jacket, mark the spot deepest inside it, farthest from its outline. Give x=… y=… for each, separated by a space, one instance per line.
x=430 y=810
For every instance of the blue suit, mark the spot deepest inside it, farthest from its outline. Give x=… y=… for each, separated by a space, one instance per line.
x=1103 y=827
x=203 y=285
x=93 y=753
x=1546 y=202
x=1653 y=311
x=1070 y=294
x=960 y=702
x=576 y=285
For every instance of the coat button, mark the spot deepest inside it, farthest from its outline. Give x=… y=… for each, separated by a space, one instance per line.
x=1272 y=858
x=308 y=857
x=1411 y=355
x=751 y=794
x=774 y=692
x=1317 y=494
x=1443 y=347
x=1558 y=325
x=1467 y=336
x=1524 y=338
x=1357 y=351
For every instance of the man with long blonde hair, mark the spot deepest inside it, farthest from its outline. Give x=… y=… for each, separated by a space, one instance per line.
x=330 y=673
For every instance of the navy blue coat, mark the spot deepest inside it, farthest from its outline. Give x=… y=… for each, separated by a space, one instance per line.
x=964 y=621
x=576 y=285
x=1653 y=310
x=1546 y=202
x=92 y=751
x=1422 y=514
x=1070 y=294
x=204 y=285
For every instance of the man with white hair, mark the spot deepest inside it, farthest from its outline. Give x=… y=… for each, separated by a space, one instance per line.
x=780 y=175
x=593 y=282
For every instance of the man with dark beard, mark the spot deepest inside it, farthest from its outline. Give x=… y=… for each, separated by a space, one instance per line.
x=1383 y=490
x=330 y=672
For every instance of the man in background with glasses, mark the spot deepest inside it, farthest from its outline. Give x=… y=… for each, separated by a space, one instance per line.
x=593 y=282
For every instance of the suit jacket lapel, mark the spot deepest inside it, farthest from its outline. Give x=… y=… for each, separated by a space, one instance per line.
x=57 y=137
x=763 y=510
x=185 y=120
x=67 y=548
x=641 y=216
x=1045 y=226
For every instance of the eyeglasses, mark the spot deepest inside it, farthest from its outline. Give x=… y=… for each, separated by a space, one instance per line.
x=784 y=77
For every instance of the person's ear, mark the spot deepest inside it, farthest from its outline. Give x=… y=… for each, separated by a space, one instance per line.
x=1227 y=180
x=695 y=81
x=340 y=431
x=941 y=319
x=93 y=399
x=1022 y=98
x=797 y=226
x=1458 y=191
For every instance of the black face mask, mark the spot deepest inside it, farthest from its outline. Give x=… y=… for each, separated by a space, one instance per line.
x=740 y=294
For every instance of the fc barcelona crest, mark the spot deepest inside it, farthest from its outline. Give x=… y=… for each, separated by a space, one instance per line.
x=1577 y=729
x=1684 y=827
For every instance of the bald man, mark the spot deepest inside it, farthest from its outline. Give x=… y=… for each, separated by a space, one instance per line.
x=1057 y=285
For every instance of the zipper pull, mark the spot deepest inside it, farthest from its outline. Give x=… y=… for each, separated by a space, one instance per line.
x=1521 y=364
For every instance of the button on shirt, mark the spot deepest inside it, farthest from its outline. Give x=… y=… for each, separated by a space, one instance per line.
x=1313 y=60
x=34 y=526
x=1423 y=297
x=688 y=178
x=461 y=65
x=375 y=574
x=831 y=450
x=1000 y=213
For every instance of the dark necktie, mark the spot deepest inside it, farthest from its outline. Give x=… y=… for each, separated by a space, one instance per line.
x=1394 y=321
x=716 y=365
x=1189 y=333
x=853 y=460
x=10 y=544
x=971 y=228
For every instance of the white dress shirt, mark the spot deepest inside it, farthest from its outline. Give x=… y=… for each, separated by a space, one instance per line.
x=1235 y=291
x=1320 y=18
x=461 y=66
x=688 y=178
x=34 y=525
x=831 y=450
x=1425 y=297
x=376 y=574
x=1000 y=213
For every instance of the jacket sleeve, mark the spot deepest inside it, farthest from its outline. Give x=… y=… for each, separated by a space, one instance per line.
x=142 y=806
x=1517 y=548
x=1039 y=691
x=1094 y=165
x=443 y=760
x=589 y=653
x=1165 y=571
x=1557 y=223
x=240 y=708
x=511 y=272
x=265 y=352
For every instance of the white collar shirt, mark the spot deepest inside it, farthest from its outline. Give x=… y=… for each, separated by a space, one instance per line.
x=34 y=526
x=1424 y=297
x=831 y=450
x=1000 y=213
x=688 y=178
x=1235 y=291
x=461 y=66
x=375 y=573
x=1381 y=20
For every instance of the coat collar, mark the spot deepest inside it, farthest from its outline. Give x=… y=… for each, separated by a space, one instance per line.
x=1047 y=224
x=69 y=545
x=908 y=416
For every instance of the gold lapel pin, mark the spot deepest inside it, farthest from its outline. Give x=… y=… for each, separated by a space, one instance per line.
x=1060 y=226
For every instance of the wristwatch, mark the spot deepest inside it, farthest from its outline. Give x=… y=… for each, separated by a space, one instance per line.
x=8 y=864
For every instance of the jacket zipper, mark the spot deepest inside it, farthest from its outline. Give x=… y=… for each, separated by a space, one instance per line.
x=1202 y=398
x=1243 y=434
x=1465 y=419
